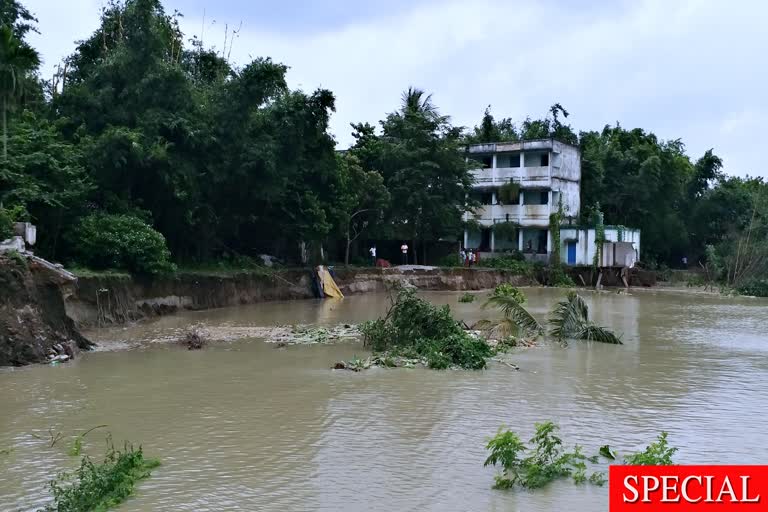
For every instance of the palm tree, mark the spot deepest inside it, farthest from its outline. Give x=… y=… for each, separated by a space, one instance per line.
x=570 y=319
x=17 y=59
x=416 y=101
x=516 y=319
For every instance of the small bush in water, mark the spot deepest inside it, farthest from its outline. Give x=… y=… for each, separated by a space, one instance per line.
x=545 y=460
x=467 y=297
x=101 y=486
x=415 y=328
x=507 y=290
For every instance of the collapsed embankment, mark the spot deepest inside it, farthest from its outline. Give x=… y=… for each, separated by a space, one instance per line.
x=34 y=326
x=99 y=301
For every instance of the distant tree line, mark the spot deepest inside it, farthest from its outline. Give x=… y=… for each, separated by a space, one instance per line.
x=143 y=151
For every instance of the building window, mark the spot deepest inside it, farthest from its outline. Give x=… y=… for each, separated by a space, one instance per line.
x=487 y=161
x=544 y=197
x=544 y=159
x=514 y=160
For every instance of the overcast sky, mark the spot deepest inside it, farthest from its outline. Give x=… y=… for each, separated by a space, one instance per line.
x=689 y=69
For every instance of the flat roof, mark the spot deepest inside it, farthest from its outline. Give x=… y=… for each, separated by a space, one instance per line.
x=520 y=145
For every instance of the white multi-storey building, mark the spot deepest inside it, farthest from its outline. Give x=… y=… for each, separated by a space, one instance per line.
x=546 y=171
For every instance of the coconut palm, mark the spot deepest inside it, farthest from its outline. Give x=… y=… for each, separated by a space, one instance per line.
x=419 y=102
x=516 y=317
x=17 y=59
x=570 y=319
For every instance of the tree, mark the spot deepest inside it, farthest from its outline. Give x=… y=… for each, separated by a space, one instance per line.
x=639 y=181
x=17 y=59
x=491 y=130
x=420 y=156
x=45 y=177
x=363 y=197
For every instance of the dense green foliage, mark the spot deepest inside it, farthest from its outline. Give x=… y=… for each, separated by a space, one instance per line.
x=658 y=453
x=545 y=460
x=508 y=290
x=98 y=487
x=415 y=328
x=6 y=224
x=121 y=241
x=536 y=466
x=512 y=263
x=467 y=297
x=226 y=159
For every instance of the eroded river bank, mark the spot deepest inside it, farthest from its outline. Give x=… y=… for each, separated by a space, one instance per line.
x=243 y=425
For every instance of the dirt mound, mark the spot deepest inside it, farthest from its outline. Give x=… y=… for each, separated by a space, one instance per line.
x=34 y=326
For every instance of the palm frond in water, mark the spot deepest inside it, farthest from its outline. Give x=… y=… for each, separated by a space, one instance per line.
x=569 y=317
x=515 y=313
x=594 y=332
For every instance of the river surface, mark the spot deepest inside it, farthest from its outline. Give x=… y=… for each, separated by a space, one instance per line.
x=244 y=425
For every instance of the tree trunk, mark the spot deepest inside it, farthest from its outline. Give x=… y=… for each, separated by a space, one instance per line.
x=346 y=253
x=5 y=128
x=423 y=252
x=415 y=252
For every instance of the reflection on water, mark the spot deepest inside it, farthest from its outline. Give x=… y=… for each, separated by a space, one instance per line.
x=246 y=426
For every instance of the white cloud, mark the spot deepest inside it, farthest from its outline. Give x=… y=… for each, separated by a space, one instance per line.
x=681 y=69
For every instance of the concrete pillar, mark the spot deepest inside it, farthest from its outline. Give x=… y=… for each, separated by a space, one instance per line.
x=493 y=168
x=466 y=238
x=520 y=240
x=493 y=241
x=549 y=241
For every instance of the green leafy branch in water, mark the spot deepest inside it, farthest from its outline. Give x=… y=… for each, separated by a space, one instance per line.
x=101 y=486
x=534 y=467
x=467 y=297
x=546 y=460
x=77 y=444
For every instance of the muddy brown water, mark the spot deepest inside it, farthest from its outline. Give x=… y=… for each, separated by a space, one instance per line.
x=245 y=426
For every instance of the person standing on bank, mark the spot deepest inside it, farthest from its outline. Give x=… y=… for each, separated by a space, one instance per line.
x=372 y=252
x=404 y=250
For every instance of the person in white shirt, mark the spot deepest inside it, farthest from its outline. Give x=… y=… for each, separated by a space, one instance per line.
x=404 y=250
x=372 y=251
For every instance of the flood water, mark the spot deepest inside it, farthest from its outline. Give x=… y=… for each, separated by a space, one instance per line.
x=246 y=426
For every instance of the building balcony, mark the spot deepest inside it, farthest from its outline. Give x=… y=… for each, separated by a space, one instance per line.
x=527 y=177
x=534 y=215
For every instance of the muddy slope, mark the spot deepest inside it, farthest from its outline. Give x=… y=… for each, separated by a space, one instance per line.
x=98 y=301
x=33 y=321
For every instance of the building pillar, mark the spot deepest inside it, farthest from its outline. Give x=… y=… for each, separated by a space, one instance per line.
x=549 y=241
x=520 y=239
x=493 y=240
x=493 y=168
x=466 y=237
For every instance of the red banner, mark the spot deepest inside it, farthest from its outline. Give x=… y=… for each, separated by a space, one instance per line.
x=688 y=488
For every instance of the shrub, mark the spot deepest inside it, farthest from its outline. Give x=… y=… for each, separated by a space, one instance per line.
x=450 y=260
x=655 y=454
x=467 y=297
x=121 y=242
x=559 y=278
x=534 y=467
x=6 y=224
x=415 y=328
x=756 y=288
x=507 y=290
x=100 y=486
x=510 y=263
x=545 y=460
